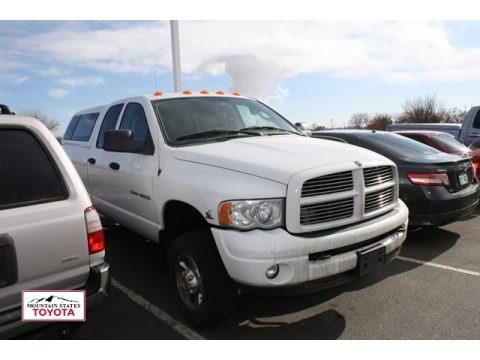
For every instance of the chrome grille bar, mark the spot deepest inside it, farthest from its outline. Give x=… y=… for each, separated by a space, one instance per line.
x=323 y=212
x=378 y=199
x=377 y=175
x=328 y=184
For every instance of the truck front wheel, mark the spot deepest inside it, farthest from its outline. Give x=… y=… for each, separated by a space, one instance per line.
x=202 y=287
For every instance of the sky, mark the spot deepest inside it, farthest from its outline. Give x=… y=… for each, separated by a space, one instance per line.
x=319 y=71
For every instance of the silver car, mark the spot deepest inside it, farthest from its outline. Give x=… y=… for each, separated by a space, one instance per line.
x=51 y=237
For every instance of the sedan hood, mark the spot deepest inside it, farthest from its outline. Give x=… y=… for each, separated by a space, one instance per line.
x=275 y=158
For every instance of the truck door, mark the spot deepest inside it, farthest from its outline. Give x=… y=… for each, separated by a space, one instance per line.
x=98 y=162
x=126 y=180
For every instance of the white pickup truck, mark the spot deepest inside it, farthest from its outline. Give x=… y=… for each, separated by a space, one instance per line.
x=236 y=196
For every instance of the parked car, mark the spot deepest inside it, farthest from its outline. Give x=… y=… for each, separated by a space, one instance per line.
x=51 y=237
x=446 y=143
x=236 y=196
x=438 y=188
x=467 y=132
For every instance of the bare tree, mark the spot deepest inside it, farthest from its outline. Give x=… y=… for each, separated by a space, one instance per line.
x=429 y=110
x=422 y=110
x=454 y=115
x=379 y=122
x=359 y=120
x=52 y=124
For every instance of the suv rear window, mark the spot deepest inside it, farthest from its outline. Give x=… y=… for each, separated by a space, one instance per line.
x=29 y=175
x=81 y=127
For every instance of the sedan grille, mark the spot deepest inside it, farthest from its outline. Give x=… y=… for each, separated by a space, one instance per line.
x=329 y=211
x=378 y=199
x=328 y=184
x=377 y=175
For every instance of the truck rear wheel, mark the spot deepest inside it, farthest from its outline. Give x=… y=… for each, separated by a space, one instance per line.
x=202 y=287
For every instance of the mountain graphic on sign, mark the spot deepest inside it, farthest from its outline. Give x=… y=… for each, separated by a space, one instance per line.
x=50 y=299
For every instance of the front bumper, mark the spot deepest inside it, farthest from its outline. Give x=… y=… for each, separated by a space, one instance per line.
x=97 y=290
x=302 y=259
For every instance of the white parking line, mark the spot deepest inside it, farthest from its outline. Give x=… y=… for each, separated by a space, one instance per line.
x=157 y=312
x=445 y=267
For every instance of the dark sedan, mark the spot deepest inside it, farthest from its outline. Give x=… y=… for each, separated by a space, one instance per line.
x=437 y=187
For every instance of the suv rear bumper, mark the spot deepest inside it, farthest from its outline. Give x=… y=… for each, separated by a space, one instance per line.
x=97 y=291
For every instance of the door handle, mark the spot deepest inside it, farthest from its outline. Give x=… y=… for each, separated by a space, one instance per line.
x=114 y=166
x=474 y=135
x=92 y=161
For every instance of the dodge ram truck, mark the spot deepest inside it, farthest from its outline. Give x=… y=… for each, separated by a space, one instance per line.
x=236 y=196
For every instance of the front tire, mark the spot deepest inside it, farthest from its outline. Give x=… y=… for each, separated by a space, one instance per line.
x=202 y=287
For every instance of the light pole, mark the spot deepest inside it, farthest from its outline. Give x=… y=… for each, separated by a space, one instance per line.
x=177 y=73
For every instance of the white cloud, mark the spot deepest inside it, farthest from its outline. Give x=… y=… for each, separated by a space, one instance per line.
x=82 y=81
x=119 y=50
x=257 y=55
x=19 y=80
x=58 y=93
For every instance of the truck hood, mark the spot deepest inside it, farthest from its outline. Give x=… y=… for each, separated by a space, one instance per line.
x=275 y=158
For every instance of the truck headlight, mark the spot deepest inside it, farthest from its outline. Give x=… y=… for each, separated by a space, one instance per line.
x=251 y=214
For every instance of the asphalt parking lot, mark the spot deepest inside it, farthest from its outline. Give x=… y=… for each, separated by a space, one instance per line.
x=430 y=292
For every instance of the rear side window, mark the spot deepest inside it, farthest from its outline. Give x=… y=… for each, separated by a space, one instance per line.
x=81 y=127
x=109 y=122
x=28 y=174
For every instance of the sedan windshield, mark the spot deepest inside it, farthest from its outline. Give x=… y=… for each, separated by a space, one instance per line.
x=205 y=119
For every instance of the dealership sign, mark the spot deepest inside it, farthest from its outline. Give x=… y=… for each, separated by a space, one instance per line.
x=55 y=305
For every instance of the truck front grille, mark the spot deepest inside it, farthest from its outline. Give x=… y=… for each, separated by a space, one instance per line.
x=377 y=175
x=345 y=197
x=328 y=184
x=329 y=211
x=378 y=199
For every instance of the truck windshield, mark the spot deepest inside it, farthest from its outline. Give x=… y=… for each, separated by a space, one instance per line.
x=205 y=119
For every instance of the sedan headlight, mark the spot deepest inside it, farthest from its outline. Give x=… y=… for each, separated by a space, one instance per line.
x=251 y=214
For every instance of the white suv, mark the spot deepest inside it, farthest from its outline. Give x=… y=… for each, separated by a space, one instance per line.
x=51 y=237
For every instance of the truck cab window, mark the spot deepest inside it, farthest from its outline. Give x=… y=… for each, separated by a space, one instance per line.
x=81 y=127
x=134 y=119
x=109 y=122
x=476 y=122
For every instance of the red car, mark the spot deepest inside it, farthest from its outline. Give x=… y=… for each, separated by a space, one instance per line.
x=446 y=143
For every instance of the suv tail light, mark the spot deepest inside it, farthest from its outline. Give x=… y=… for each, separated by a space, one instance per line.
x=96 y=240
x=429 y=179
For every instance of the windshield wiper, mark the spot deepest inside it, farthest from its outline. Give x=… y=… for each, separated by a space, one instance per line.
x=223 y=133
x=257 y=128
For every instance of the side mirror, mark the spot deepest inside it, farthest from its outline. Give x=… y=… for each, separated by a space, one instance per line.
x=299 y=126
x=118 y=140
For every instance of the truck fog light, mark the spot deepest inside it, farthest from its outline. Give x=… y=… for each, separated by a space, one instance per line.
x=272 y=272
